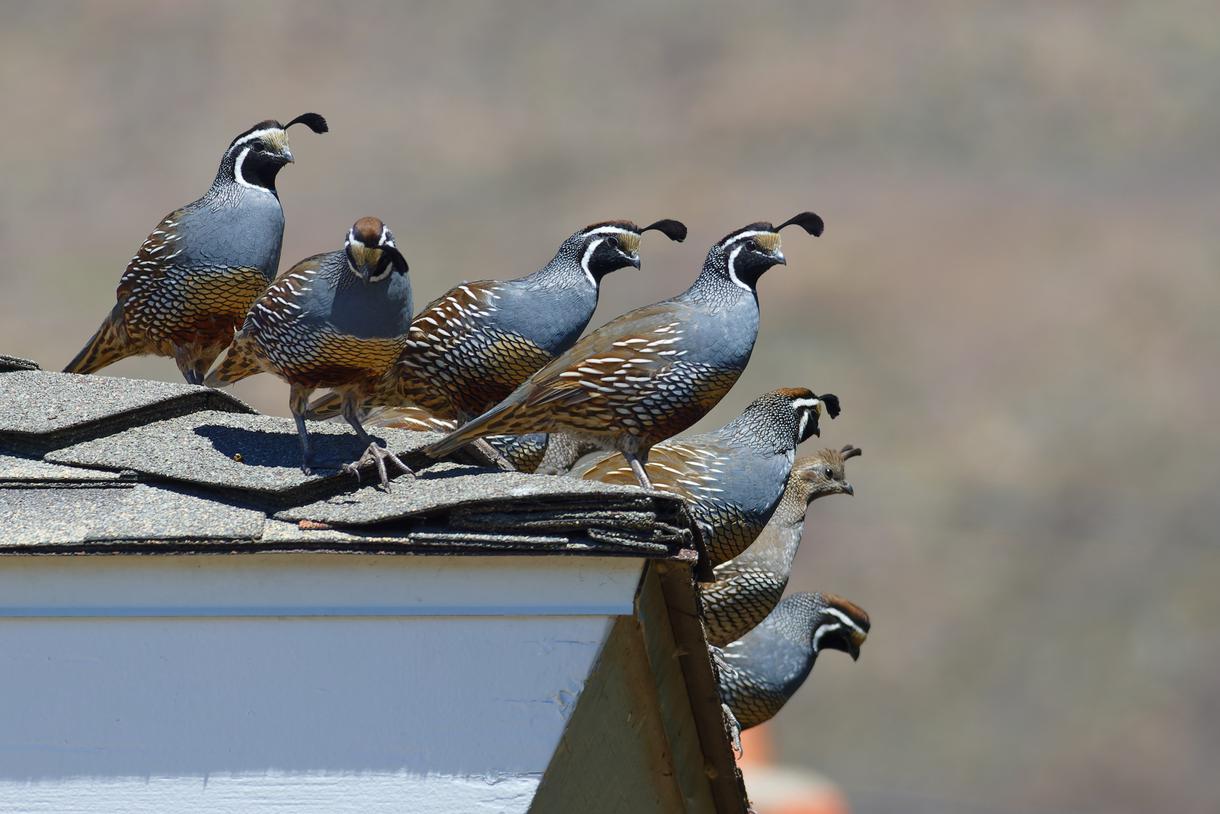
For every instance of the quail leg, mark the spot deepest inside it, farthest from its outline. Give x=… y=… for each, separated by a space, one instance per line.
x=375 y=453
x=637 y=462
x=494 y=454
x=298 y=399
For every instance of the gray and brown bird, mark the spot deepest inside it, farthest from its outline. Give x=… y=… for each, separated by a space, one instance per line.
x=193 y=280
x=471 y=347
x=335 y=320
x=733 y=477
x=653 y=372
x=749 y=586
x=762 y=670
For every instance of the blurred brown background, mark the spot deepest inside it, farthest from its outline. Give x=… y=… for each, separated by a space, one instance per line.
x=1016 y=298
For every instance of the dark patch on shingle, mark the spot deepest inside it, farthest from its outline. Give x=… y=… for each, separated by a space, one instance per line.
x=203 y=448
x=11 y=363
x=449 y=487
x=34 y=517
x=40 y=411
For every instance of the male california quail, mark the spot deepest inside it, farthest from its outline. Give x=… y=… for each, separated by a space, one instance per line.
x=469 y=348
x=652 y=372
x=189 y=286
x=523 y=452
x=760 y=671
x=333 y=320
x=749 y=586
x=733 y=477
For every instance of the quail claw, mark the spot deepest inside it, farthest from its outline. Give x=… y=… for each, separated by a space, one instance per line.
x=378 y=455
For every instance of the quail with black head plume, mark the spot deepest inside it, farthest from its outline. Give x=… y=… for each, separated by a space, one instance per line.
x=333 y=320
x=731 y=478
x=762 y=670
x=189 y=286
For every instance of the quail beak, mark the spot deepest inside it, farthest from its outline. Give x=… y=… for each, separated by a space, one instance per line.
x=780 y=260
x=853 y=644
x=848 y=489
x=286 y=154
x=634 y=260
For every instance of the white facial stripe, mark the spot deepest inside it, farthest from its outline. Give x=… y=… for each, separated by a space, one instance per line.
x=798 y=403
x=257 y=134
x=609 y=230
x=846 y=619
x=584 y=261
x=237 y=170
x=804 y=423
x=822 y=630
x=743 y=236
x=733 y=271
x=351 y=238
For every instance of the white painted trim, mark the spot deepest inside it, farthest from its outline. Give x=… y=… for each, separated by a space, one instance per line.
x=316 y=585
x=364 y=793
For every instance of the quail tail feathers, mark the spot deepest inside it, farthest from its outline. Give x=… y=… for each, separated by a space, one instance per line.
x=239 y=362
x=107 y=346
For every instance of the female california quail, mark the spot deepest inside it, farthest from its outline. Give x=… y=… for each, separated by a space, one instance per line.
x=655 y=371
x=731 y=478
x=333 y=320
x=762 y=670
x=193 y=280
x=749 y=586
x=469 y=348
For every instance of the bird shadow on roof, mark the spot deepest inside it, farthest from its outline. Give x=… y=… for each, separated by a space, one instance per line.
x=280 y=449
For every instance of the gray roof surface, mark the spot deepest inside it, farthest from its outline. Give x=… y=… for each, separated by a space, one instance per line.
x=40 y=410
x=103 y=464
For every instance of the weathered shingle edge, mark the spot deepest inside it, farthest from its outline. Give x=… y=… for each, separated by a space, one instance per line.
x=11 y=363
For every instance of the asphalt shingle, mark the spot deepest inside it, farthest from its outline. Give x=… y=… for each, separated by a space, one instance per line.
x=40 y=410
x=16 y=471
x=256 y=458
x=11 y=363
x=142 y=513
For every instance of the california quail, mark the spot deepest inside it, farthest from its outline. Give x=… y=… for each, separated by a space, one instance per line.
x=762 y=670
x=523 y=452
x=468 y=349
x=749 y=586
x=733 y=477
x=333 y=320
x=655 y=371
x=189 y=286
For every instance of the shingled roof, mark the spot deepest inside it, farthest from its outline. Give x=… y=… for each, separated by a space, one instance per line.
x=100 y=464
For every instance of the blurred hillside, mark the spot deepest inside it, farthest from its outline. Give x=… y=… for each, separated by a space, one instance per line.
x=1016 y=299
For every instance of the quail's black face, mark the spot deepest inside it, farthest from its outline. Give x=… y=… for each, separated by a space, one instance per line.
x=750 y=252
x=371 y=251
x=612 y=252
x=840 y=625
x=258 y=154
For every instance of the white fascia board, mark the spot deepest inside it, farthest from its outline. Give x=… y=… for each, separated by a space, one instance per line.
x=316 y=585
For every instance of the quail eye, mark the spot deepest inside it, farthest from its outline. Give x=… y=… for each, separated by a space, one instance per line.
x=612 y=242
x=829 y=473
x=258 y=147
x=752 y=245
